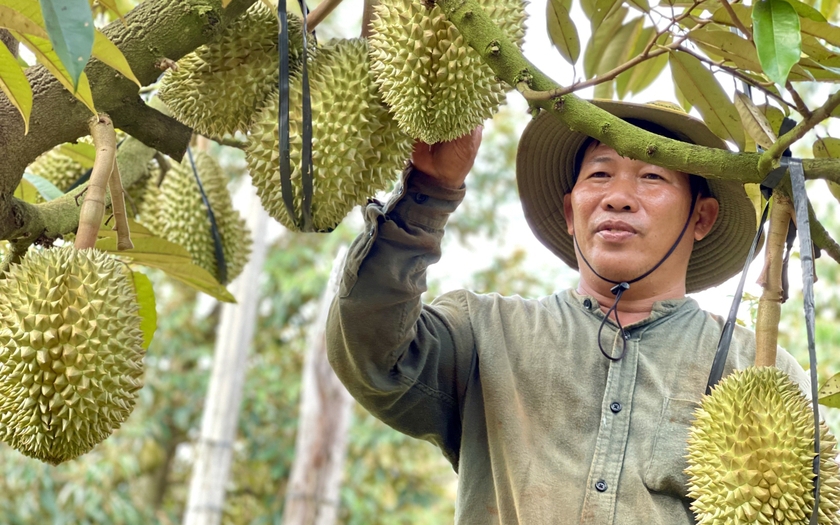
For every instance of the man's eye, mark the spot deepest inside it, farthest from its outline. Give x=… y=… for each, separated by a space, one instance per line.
x=598 y=174
x=653 y=176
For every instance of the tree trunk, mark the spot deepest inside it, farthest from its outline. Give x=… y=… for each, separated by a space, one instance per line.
x=214 y=449
x=312 y=493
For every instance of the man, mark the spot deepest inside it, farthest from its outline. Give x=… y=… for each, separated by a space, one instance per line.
x=572 y=408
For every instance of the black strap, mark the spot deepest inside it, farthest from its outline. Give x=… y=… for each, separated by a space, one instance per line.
x=218 y=249
x=305 y=221
x=800 y=206
x=622 y=286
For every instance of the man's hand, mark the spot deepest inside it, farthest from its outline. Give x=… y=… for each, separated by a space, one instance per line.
x=448 y=162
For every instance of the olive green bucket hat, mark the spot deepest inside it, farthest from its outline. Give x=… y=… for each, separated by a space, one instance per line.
x=545 y=173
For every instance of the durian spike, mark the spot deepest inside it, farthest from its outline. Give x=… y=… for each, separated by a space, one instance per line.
x=93 y=207
x=770 y=303
x=118 y=205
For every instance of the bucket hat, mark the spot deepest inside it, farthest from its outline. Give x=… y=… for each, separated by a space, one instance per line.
x=545 y=173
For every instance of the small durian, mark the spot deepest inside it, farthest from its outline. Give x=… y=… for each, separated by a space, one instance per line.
x=217 y=88
x=437 y=87
x=59 y=169
x=177 y=212
x=751 y=450
x=357 y=148
x=71 y=354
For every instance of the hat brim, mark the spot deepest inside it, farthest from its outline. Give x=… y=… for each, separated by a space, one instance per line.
x=545 y=173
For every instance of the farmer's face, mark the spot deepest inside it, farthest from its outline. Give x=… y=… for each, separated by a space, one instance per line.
x=626 y=214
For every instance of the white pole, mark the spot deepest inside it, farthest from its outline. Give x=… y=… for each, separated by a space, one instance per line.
x=224 y=393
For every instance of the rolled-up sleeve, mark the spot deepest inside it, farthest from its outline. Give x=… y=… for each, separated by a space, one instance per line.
x=406 y=362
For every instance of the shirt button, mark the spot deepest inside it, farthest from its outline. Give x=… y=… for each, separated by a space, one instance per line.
x=626 y=336
x=587 y=303
x=615 y=406
x=601 y=485
x=420 y=198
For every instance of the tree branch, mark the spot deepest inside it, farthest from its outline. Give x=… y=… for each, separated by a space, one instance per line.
x=317 y=15
x=821 y=237
x=154 y=128
x=800 y=104
x=735 y=20
x=823 y=112
x=10 y=41
x=155 y=29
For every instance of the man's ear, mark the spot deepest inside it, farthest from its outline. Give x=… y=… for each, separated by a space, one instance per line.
x=568 y=213
x=706 y=211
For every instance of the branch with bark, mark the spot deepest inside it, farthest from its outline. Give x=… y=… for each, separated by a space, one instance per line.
x=154 y=30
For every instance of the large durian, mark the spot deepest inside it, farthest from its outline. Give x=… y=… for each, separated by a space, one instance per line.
x=217 y=88
x=71 y=355
x=177 y=212
x=357 y=148
x=437 y=86
x=751 y=450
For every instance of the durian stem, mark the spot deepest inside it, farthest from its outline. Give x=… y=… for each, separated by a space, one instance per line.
x=822 y=239
x=770 y=303
x=93 y=207
x=317 y=15
x=16 y=252
x=118 y=205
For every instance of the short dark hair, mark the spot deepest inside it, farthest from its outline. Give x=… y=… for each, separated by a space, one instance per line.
x=698 y=184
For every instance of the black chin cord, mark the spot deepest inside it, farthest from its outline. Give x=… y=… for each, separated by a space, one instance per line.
x=622 y=286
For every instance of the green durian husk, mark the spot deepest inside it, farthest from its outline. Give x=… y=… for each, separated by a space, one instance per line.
x=437 y=87
x=71 y=352
x=176 y=212
x=218 y=88
x=357 y=148
x=750 y=454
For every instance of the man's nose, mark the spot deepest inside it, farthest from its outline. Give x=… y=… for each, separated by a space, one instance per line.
x=620 y=195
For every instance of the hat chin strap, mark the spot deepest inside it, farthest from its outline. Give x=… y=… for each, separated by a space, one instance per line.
x=622 y=286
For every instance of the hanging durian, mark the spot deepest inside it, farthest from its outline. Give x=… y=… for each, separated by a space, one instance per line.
x=177 y=212
x=357 y=148
x=71 y=355
x=437 y=86
x=217 y=88
x=751 y=450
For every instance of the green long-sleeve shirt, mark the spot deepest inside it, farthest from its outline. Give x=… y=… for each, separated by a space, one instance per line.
x=540 y=426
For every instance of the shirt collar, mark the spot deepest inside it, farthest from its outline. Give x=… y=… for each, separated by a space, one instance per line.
x=660 y=310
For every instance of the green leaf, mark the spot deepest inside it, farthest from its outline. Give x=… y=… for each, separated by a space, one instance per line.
x=686 y=105
x=70 y=26
x=83 y=153
x=728 y=46
x=46 y=188
x=774 y=116
x=828 y=147
x=645 y=73
x=172 y=258
x=829 y=393
x=616 y=52
x=47 y=57
x=703 y=91
x=562 y=31
x=828 y=8
x=111 y=5
x=754 y=121
x=603 y=8
x=147 y=311
x=601 y=38
x=26 y=192
x=806 y=11
x=777 y=39
x=638 y=41
x=828 y=32
x=14 y=84
x=105 y=51
x=10 y=18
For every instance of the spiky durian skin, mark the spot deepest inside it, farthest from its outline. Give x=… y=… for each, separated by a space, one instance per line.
x=61 y=170
x=437 y=86
x=357 y=147
x=750 y=453
x=71 y=352
x=217 y=88
x=176 y=212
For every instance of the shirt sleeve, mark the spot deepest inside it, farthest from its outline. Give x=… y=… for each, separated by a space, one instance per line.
x=406 y=362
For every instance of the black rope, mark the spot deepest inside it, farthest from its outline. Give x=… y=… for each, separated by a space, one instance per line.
x=286 y=189
x=622 y=286
x=218 y=250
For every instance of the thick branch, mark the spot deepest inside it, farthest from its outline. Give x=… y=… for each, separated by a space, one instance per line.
x=799 y=131
x=821 y=237
x=154 y=30
x=10 y=42
x=154 y=128
x=317 y=15
x=770 y=303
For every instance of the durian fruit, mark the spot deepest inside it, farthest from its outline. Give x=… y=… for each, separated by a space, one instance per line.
x=71 y=355
x=437 y=86
x=750 y=454
x=217 y=88
x=357 y=147
x=176 y=212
